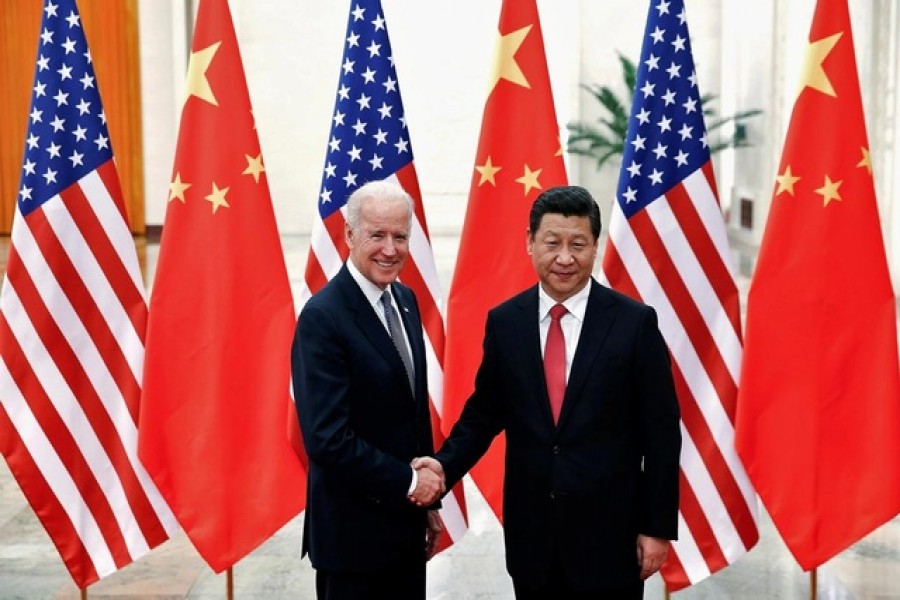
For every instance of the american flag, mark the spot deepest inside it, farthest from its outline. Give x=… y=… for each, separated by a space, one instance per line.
x=369 y=140
x=72 y=320
x=668 y=247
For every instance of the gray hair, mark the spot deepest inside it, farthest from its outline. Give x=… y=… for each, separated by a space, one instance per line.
x=378 y=190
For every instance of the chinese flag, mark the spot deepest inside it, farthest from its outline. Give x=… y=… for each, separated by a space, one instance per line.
x=818 y=418
x=519 y=155
x=213 y=429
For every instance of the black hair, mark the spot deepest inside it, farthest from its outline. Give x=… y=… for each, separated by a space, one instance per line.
x=569 y=201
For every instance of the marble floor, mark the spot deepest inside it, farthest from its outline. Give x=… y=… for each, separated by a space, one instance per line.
x=473 y=568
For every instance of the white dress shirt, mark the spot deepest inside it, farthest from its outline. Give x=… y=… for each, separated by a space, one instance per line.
x=570 y=322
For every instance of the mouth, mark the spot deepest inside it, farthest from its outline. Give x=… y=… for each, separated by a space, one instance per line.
x=384 y=264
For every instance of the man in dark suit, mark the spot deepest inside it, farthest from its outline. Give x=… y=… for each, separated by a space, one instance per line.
x=358 y=365
x=584 y=392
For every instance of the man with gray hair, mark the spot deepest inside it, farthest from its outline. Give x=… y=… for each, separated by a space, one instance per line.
x=360 y=383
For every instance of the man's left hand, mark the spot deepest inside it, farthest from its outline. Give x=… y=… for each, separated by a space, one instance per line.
x=433 y=533
x=651 y=554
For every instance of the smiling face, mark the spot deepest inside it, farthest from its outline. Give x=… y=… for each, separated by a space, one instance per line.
x=563 y=251
x=379 y=244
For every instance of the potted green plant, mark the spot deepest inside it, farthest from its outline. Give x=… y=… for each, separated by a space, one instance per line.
x=606 y=139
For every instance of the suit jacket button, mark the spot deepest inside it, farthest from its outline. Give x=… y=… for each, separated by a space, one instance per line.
x=553 y=495
x=555 y=449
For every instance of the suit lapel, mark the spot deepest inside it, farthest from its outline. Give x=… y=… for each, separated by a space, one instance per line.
x=366 y=319
x=597 y=322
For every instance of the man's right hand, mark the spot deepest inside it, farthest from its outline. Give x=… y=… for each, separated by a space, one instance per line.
x=430 y=485
x=430 y=463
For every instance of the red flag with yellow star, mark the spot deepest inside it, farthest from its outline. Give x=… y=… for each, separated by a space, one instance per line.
x=818 y=417
x=519 y=155
x=213 y=420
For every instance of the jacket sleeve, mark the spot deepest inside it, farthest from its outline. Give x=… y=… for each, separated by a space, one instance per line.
x=481 y=419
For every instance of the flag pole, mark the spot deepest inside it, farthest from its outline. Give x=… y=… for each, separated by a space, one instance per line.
x=813 y=584
x=83 y=593
x=229 y=583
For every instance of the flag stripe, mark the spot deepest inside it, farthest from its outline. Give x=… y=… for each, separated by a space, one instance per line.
x=110 y=285
x=673 y=264
x=103 y=189
x=52 y=269
x=85 y=427
x=47 y=482
x=710 y=445
x=82 y=376
x=90 y=205
x=96 y=376
x=673 y=569
x=73 y=455
x=690 y=205
x=703 y=539
x=315 y=277
x=686 y=555
x=684 y=352
x=707 y=495
x=117 y=222
x=59 y=316
x=327 y=249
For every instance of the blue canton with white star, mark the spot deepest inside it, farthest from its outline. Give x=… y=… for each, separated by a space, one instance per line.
x=368 y=139
x=67 y=136
x=666 y=139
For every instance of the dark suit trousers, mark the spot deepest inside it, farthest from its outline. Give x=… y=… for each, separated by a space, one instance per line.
x=397 y=584
x=557 y=585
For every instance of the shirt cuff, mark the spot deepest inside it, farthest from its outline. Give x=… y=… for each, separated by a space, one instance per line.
x=415 y=482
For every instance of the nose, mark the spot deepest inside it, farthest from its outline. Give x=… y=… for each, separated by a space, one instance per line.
x=564 y=257
x=389 y=247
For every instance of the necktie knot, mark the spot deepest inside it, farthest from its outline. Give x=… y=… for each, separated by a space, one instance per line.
x=557 y=312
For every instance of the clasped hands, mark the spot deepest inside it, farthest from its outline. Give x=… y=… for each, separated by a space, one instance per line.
x=430 y=484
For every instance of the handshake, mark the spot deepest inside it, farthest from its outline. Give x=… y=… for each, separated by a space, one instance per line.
x=430 y=483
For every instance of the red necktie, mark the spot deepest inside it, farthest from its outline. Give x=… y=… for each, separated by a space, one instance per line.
x=555 y=361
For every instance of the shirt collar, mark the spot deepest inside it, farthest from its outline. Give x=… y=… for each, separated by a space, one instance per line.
x=576 y=304
x=371 y=291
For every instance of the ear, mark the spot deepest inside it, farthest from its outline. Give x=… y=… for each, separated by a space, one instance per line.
x=348 y=234
x=529 y=241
